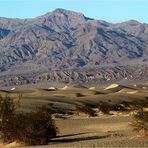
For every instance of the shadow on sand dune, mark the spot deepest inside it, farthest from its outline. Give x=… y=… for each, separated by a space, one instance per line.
x=69 y=138
x=69 y=135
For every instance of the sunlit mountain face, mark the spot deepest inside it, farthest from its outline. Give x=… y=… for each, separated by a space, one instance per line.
x=66 y=46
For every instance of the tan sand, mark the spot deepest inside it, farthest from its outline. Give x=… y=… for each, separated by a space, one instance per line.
x=96 y=132
x=52 y=88
x=92 y=88
x=64 y=88
x=111 y=86
x=10 y=145
x=107 y=131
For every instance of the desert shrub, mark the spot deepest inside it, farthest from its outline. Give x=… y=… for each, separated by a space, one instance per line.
x=70 y=113
x=49 y=108
x=96 y=93
x=34 y=128
x=138 y=104
x=105 y=107
x=57 y=115
x=7 y=106
x=11 y=128
x=79 y=95
x=85 y=109
x=119 y=107
x=140 y=122
x=90 y=104
x=142 y=103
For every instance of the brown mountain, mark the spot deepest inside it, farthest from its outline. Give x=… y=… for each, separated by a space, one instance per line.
x=64 y=40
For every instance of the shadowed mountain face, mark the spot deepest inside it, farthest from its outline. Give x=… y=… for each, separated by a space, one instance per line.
x=68 y=40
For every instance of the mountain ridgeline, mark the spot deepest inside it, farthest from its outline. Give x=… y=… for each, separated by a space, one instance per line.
x=70 y=46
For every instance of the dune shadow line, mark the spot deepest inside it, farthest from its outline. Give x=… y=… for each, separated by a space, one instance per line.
x=67 y=140
x=69 y=135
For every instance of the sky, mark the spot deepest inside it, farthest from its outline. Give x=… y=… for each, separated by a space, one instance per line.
x=108 y=10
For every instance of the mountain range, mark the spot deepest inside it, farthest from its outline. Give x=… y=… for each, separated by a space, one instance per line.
x=66 y=46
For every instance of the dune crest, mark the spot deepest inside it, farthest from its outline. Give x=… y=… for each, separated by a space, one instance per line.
x=52 y=88
x=111 y=86
x=65 y=87
x=13 y=88
x=11 y=145
x=92 y=88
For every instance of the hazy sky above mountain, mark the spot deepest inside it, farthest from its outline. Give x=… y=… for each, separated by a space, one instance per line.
x=108 y=10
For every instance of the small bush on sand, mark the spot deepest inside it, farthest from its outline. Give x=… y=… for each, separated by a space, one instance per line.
x=57 y=115
x=7 y=106
x=139 y=104
x=35 y=128
x=85 y=109
x=119 y=107
x=70 y=113
x=79 y=95
x=140 y=122
x=104 y=107
x=49 y=108
x=31 y=128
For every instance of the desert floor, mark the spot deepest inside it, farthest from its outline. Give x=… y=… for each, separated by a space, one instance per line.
x=82 y=131
x=105 y=131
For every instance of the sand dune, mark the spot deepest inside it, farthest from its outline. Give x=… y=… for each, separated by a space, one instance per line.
x=13 y=88
x=84 y=131
x=92 y=88
x=11 y=145
x=65 y=87
x=112 y=86
x=52 y=88
x=128 y=91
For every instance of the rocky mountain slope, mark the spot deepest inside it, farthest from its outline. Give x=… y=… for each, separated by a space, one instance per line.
x=64 y=40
